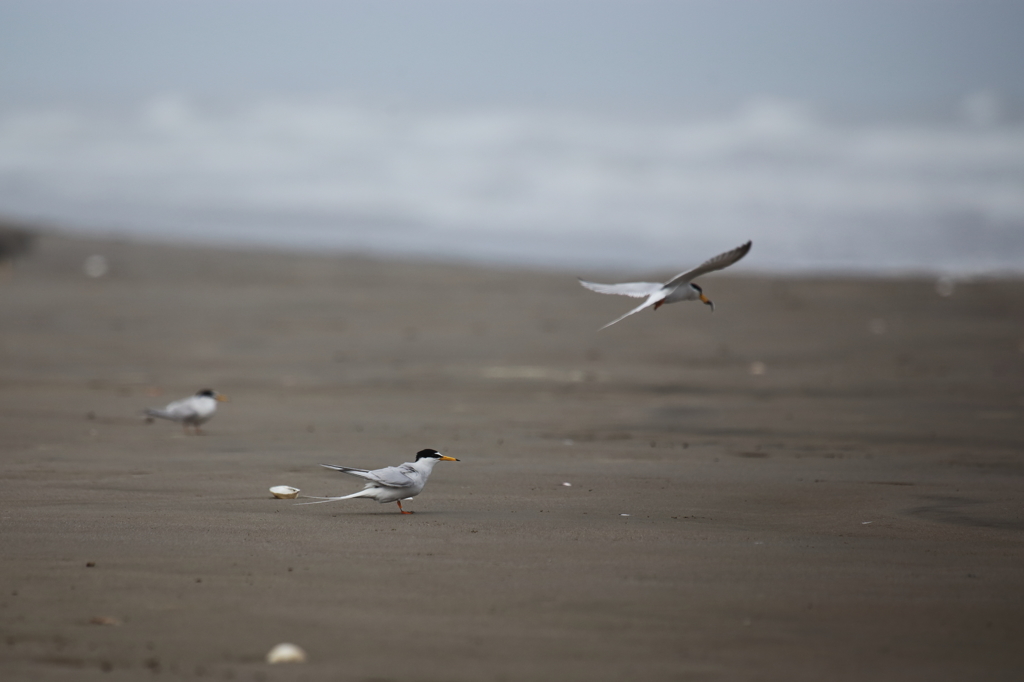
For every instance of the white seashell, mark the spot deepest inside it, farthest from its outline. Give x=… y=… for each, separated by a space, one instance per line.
x=285 y=492
x=286 y=653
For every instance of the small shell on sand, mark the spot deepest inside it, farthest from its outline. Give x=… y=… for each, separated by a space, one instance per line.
x=285 y=492
x=286 y=653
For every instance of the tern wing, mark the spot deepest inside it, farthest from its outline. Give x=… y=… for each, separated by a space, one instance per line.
x=394 y=477
x=722 y=260
x=389 y=477
x=634 y=289
x=654 y=298
x=179 y=409
x=361 y=473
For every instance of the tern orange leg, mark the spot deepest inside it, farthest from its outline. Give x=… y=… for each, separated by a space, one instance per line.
x=402 y=510
x=659 y=304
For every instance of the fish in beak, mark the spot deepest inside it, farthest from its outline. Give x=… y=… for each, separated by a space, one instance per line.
x=707 y=301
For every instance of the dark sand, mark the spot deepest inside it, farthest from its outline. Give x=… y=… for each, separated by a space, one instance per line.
x=852 y=513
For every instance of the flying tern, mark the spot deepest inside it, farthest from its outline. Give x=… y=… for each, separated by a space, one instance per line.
x=391 y=484
x=679 y=288
x=192 y=411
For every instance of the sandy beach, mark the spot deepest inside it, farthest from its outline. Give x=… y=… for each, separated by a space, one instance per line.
x=822 y=480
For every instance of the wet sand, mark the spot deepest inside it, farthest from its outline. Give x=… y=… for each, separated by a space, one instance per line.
x=820 y=481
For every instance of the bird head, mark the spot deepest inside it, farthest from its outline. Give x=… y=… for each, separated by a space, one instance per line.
x=210 y=393
x=702 y=297
x=433 y=454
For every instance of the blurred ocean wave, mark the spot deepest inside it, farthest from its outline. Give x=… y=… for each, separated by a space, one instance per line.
x=527 y=186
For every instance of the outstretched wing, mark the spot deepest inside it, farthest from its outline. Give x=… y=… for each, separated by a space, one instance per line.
x=722 y=260
x=389 y=477
x=654 y=298
x=634 y=289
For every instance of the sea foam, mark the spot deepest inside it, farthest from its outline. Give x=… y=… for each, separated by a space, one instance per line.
x=550 y=188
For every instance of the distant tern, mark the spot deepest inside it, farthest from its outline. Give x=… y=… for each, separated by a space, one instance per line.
x=679 y=288
x=192 y=411
x=391 y=484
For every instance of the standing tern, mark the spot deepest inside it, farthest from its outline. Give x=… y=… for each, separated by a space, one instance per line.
x=191 y=411
x=391 y=484
x=679 y=288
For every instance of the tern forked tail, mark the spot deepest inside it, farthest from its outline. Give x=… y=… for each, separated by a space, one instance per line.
x=368 y=492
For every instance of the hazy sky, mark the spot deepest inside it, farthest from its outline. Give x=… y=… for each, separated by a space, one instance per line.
x=857 y=56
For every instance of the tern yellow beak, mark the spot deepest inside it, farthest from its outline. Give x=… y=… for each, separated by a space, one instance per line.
x=448 y=459
x=221 y=398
